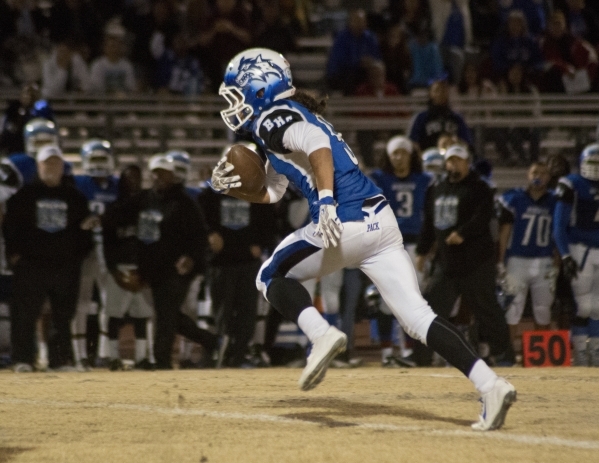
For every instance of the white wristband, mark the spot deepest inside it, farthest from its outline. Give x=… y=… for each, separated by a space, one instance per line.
x=325 y=193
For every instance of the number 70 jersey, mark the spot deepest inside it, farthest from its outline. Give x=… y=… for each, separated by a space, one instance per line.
x=532 y=222
x=351 y=186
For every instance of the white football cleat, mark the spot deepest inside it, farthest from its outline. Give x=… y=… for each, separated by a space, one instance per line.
x=324 y=350
x=495 y=405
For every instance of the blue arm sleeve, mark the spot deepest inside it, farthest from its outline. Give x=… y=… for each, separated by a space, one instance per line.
x=561 y=217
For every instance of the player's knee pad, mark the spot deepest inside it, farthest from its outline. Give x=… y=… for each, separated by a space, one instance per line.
x=416 y=322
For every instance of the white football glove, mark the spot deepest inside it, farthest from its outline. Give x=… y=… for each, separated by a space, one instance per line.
x=221 y=183
x=329 y=226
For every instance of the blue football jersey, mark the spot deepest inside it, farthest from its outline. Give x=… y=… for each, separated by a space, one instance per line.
x=407 y=198
x=577 y=212
x=531 y=221
x=98 y=197
x=351 y=186
x=25 y=167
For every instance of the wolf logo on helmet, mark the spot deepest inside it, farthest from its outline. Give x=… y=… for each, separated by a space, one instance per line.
x=253 y=80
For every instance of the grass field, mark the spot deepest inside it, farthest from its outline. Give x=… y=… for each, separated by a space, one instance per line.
x=361 y=415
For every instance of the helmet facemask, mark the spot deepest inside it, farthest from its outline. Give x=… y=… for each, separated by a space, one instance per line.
x=38 y=140
x=239 y=112
x=98 y=164
x=589 y=162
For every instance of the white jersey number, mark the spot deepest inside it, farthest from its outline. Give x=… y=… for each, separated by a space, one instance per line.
x=543 y=229
x=406 y=201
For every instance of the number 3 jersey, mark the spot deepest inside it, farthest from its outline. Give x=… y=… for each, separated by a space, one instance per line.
x=406 y=197
x=351 y=186
x=531 y=221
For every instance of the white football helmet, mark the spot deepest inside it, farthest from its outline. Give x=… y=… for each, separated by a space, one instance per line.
x=182 y=163
x=589 y=162
x=97 y=158
x=39 y=132
x=254 y=79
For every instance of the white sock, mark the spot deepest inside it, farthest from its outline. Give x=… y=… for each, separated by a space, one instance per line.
x=113 y=347
x=141 y=349
x=482 y=377
x=312 y=324
x=386 y=352
x=82 y=347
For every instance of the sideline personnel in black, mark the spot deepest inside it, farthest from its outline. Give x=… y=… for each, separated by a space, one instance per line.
x=457 y=219
x=47 y=236
x=173 y=241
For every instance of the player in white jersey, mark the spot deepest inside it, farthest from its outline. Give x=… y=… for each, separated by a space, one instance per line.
x=352 y=225
x=100 y=187
x=526 y=249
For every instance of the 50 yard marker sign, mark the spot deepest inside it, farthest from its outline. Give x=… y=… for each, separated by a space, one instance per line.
x=546 y=348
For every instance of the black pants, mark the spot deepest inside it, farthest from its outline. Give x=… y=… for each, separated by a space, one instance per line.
x=478 y=287
x=169 y=295
x=32 y=284
x=235 y=299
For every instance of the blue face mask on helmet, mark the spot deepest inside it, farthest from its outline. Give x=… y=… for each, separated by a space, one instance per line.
x=589 y=162
x=97 y=159
x=254 y=79
x=39 y=132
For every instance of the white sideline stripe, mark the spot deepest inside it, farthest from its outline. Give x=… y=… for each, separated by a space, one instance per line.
x=262 y=417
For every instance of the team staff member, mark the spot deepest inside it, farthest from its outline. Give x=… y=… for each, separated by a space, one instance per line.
x=457 y=219
x=45 y=243
x=173 y=241
x=238 y=231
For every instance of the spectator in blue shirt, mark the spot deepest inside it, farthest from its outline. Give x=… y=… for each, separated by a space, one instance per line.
x=427 y=65
x=354 y=50
x=515 y=46
x=533 y=11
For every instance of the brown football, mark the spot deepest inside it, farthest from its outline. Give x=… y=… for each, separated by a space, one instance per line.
x=250 y=168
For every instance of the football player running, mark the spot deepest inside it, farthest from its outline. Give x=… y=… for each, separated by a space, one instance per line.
x=352 y=224
x=576 y=231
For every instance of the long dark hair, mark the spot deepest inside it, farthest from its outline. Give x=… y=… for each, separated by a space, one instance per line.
x=415 y=163
x=310 y=102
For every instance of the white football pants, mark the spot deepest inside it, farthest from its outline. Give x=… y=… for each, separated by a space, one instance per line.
x=375 y=246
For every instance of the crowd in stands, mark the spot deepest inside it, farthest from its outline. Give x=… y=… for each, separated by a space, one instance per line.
x=182 y=46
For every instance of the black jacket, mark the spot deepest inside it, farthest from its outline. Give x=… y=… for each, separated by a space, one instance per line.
x=42 y=224
x=241 y=224
x=168 y=225
x=465 y=207
x=120 y=242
